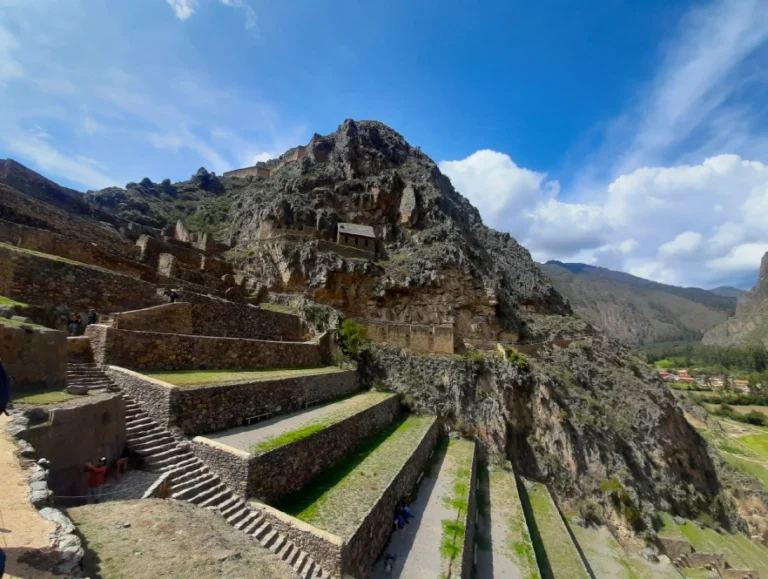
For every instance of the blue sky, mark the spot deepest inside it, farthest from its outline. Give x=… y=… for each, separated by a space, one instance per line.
x=631 y=135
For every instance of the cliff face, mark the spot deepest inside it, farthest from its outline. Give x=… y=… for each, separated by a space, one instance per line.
x=750 y=322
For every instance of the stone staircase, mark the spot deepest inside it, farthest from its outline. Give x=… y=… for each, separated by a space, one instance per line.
x=192 y=481
x=83 y=374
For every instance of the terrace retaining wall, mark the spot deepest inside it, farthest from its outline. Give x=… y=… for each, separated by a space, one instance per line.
x=47 y=281
x=366 y=543
x=272 y=475
x=34 y=357
x=211 y=408
x=140 y=350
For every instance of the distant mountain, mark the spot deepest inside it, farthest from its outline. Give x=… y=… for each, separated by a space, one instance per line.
x=636 y=310
x=750 y=322
x=727 y=291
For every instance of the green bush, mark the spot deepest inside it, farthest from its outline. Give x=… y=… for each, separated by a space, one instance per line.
x=352 y=337
x=515 y=357
x=474 y=356
x=611 y=486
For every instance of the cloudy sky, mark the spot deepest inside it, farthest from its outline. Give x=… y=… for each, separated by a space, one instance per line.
x=632 y=135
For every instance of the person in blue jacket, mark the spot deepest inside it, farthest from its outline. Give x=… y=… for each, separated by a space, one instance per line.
x=5 y=389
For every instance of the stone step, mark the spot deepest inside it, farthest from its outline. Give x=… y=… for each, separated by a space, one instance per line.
x=299 y=561
x=71 y=364
x=140 y=423
x=278 y=544
x=238 y=515
x=191 y=475
x=216 y=499
x=232 y=508
x=286 y=551
x=149 y=434
x=158 y=449
x=293 y=556
x=253 y=525
x=308 y=570
x=186 y=466
x=194 y=482
x=206 y=494
x=171 y=450
x=182 y=466
x=269 y=538
x=261 y=531
x=156 y=466
x=246 y=520
x=183 y=492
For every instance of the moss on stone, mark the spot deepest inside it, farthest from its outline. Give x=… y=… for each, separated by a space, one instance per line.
x=42 y=398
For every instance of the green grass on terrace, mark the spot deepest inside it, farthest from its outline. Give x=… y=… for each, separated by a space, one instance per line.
x=42 y=398
x=279 y=308
x=11 y=322
x=213 y=377
x=460 y=453
x=556 y=553
x=345 y=408
x=339 y=499
x=58 y=258
x=4 y=301
x=758 y=443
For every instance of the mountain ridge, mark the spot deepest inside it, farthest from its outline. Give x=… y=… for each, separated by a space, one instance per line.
x=636 y=310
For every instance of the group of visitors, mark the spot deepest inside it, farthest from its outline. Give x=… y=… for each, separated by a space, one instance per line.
x=403 y=514
x=171 y=295
x=76 y=322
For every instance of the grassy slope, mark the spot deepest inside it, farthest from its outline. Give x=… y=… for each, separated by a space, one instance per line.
x=557 y=555
x=212 y=377
x=739 y=550
x=4 y=301
x=344 y=409
x=339 y=499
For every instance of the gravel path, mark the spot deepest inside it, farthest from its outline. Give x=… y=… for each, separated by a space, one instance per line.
x=245 y=437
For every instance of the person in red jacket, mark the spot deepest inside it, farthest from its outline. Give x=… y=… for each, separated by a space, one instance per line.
x=96 y=477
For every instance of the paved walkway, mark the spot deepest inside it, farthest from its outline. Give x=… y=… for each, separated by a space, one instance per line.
x=245 y=437
x=417 y=545
x=22 y=529
x=505 y=549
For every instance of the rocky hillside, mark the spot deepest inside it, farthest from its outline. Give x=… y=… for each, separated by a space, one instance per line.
x=635 y=310
x=750 y=322
x=574 y=417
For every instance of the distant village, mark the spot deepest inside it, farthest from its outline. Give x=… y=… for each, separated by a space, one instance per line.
x=683 y=377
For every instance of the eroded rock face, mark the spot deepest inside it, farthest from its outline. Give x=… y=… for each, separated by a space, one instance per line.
x=750 y=323
x=575 y=417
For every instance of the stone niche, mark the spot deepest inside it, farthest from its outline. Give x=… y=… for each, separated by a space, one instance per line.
x=34 y=357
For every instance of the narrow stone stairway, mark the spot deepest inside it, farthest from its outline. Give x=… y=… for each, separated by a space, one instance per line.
x=83 y=374
x=192 y=481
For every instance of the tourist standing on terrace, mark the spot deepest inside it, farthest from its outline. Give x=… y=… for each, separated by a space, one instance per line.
x=96 y=478
x=93 y=317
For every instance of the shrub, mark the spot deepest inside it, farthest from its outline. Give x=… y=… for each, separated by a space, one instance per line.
x=518 y=358
x=352 y=337
x=474 y=356
x=611 y=486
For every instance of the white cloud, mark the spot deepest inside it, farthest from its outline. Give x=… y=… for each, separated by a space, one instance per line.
x=684 y=246
x=183 y=8
x=79 y=169
x=656 y=222
x=10 y=67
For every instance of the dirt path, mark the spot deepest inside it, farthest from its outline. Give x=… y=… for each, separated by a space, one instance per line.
x=21 y=527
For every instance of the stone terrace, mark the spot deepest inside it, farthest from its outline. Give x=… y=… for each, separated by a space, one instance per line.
x=280 y=456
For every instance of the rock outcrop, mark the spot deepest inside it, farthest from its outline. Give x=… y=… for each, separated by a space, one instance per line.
x=750 y=322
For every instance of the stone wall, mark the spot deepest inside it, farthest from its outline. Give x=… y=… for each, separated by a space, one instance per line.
x=212 y=408
x=34 y=357
x=286 y=469
x=73 y=435
x=48 y=281
x=212 y=316
x=367 y=542
x=417 y=337
x=52 y=243
x=158 y=351
x=166 y=318
x=248 y=172
x=154 y=396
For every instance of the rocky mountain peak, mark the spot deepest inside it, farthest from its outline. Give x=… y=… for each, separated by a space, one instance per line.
x=763 y=277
